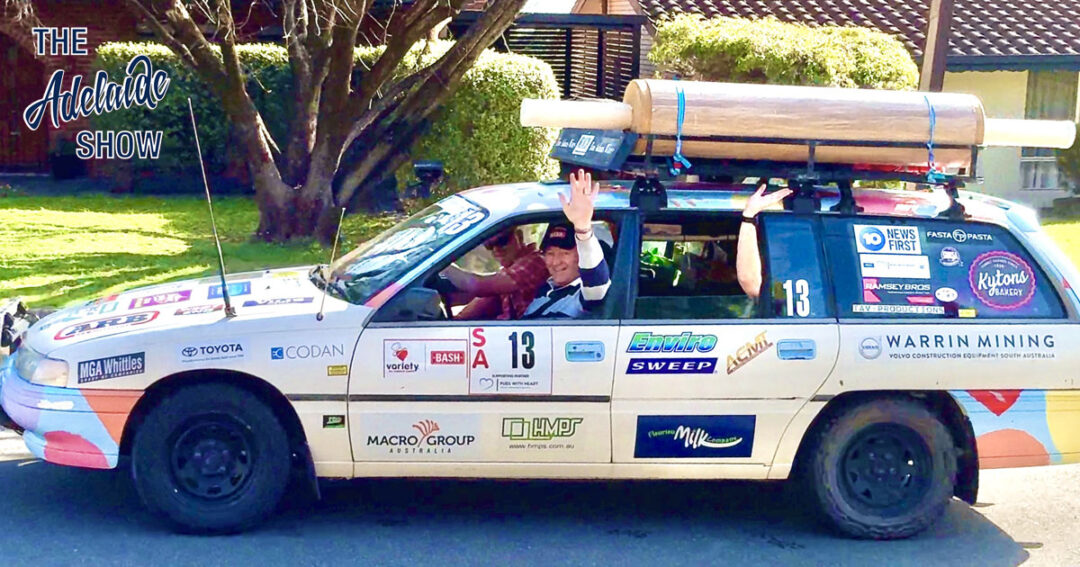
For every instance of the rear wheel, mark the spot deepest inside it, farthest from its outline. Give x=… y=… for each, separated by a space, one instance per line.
x=883 y=469
x=211 y=458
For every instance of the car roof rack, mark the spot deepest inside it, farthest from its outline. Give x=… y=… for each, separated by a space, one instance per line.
x=612 y=150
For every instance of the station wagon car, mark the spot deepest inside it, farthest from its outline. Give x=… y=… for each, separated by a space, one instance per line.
x=892 y=353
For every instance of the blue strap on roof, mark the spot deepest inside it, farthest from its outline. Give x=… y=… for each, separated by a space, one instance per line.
x=933 y=175
x=678 y=162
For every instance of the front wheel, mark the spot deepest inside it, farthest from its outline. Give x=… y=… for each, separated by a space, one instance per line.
x=883 y=469
x=211 y=458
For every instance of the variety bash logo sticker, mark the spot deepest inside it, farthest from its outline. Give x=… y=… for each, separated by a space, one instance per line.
x=142 y=86
x=694 y=436
x=748 y=352
x=686 y=342
x=1002 y=280
x=112 y=367
x=883 y=239
x=424 y=358
x=130 y=319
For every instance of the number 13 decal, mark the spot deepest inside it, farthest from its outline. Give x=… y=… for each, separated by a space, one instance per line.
x=528 y=357
x=797 y=306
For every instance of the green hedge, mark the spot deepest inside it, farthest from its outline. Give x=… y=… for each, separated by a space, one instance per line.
x=476 y=134
x=1069 y=162
x=770 y=51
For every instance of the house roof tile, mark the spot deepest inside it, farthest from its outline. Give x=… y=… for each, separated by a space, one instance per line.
x=979 y=27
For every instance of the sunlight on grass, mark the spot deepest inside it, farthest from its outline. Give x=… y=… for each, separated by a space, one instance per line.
x=60 y=250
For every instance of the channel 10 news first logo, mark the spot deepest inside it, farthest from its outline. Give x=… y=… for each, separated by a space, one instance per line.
x=883 y=239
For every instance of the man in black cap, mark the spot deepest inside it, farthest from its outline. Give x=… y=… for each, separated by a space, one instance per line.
x=575 y=261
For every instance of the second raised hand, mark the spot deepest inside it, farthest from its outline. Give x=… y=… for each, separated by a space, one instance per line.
x=578 y=208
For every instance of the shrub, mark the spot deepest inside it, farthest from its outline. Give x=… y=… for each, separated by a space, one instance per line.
x=770 y=51
x=1069 y=162
x=476 y=134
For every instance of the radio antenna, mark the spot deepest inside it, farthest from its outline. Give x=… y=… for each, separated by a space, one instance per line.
x=333 y=254
x=229 y=311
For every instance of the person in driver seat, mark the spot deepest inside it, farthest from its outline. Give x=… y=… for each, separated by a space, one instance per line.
x=579 y=275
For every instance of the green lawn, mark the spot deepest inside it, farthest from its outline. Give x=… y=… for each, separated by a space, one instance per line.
x=58 y=250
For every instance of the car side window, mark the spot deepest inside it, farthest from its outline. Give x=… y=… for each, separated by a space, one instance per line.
x=929 y=268
x=687 y=268
x=795 y=285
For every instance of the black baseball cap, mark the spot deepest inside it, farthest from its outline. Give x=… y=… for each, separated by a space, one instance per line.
x=560 y=236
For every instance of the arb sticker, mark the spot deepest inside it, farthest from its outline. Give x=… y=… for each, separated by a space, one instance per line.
x=1002 y=280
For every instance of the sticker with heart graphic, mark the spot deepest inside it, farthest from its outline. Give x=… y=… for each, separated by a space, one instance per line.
x=400 y=352
x=486 y=384
x=997 y=401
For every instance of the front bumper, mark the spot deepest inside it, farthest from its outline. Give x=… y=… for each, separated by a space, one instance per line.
x=66 y=426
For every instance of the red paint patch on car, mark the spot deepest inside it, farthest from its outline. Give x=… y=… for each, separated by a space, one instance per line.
x=1009 y=448
x=64 y=448
x=997 y=401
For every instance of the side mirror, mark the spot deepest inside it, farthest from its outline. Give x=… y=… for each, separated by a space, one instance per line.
x=413 y=304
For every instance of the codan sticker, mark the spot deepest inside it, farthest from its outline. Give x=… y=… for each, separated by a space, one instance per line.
x=694 y=436
x=112 y=367
x=1002 y=280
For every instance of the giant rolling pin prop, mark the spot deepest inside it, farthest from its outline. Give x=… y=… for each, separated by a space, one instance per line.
x=802 y=113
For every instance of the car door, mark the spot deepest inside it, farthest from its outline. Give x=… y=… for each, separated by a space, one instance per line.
x=485 y=391
x=702 y=374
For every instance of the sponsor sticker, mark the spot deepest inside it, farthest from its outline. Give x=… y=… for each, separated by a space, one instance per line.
x=946 y=294
x=333 y=422
x=870 y=348
x=894 y=266
x=887 y=239
x=693 y=365
x=218 y=351
x=969 y=346
x=449 y=437
x=958 y=236
x=694 y=436
x=899 y=309
x=272 y=301
x=235 y=289
x=748 y=352
x=540 y=428
x=428 y=359
x=111 y=367
x=584 y=351
x=306 y=352
x=128 y=320
x=1002 y=280
x=950 y=257
x=878 y=290
x=337 y=370
x=160 y=299
x=510 y=360
x=968 y=313
x=683 y=342
x=200 y=309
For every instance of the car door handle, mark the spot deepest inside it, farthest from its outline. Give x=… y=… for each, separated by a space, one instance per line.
x=796 y=349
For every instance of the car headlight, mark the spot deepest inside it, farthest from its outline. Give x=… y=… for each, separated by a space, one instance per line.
x=40 y=369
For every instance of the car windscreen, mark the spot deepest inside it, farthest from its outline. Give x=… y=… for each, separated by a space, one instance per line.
x=384 y=259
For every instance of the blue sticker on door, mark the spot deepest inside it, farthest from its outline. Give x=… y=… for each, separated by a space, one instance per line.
x=694 y=436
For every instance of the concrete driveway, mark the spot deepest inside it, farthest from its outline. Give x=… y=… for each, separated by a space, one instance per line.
x=60 y=516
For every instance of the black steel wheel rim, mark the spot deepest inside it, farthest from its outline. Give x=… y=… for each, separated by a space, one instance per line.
x=211 y=456
x=886 y=469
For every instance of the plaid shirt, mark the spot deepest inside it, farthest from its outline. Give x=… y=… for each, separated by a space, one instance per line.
x=529 y=272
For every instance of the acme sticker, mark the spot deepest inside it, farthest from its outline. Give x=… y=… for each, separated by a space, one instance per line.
x=748 y=352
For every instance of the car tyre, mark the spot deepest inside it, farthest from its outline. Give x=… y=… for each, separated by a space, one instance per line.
x=211 y=458
x=883 y=469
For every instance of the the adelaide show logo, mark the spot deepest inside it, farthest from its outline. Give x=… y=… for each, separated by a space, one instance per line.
x=142 y=85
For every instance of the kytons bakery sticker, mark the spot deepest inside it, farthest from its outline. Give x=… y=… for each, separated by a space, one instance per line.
x=142 y=85
x=1002 y=280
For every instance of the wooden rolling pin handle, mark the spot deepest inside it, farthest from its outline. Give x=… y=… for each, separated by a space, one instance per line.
x=593 y=114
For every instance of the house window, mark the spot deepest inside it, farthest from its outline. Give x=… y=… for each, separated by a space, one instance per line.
x=1051 y=95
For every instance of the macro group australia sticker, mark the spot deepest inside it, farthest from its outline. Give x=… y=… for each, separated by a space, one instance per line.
x=694 y=436
x=1002 y=280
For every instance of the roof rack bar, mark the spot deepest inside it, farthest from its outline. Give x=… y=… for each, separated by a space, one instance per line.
x=847 y=205
x=807 y=142
x=955 y=211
